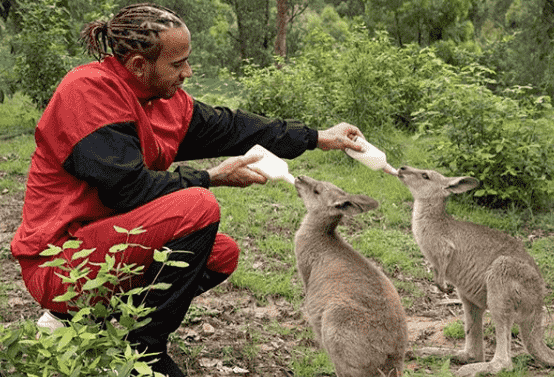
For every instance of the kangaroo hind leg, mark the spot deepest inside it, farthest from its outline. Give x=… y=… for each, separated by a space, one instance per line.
x=510 y=297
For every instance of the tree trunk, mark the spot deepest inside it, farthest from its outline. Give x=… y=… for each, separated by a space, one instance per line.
x=282 y=21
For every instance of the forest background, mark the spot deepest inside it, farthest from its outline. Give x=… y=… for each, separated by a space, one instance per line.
x=477 y=74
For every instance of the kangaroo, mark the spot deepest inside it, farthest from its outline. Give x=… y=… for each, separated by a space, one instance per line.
x=352 y=307
x=489 y=269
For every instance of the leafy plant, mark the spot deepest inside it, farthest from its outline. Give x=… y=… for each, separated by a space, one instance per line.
x=454 y=330
x=42 y=56
x=495 y=139
x=95 y=339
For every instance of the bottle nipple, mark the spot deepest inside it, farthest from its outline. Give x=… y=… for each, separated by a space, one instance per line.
x=289 y=178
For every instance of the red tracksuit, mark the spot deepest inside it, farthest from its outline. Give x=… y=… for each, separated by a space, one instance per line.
x=103 y=150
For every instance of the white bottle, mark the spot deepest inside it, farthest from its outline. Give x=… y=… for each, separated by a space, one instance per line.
x=371 y=156
x=270 y=166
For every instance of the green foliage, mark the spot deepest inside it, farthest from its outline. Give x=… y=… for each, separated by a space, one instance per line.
x=42 y=56
x=542 y=251
x=94 y=341
x=420 y=21
x=18 y=116
x=454 y=330
x=504 y=142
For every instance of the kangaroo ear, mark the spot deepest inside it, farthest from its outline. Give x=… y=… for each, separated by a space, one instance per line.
x=462 y=184
x=355 y=204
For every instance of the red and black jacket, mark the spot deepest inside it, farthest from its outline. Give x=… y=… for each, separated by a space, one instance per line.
x=104 y=147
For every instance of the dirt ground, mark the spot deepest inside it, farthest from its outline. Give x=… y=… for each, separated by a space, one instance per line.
x=229 y=333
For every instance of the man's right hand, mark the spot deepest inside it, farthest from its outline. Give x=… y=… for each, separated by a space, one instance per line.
x=235 y=172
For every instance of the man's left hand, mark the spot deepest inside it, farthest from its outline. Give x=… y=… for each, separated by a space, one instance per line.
x=339 y=137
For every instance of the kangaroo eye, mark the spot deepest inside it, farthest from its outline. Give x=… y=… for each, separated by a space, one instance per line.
x=316 y=191
x=425 y=176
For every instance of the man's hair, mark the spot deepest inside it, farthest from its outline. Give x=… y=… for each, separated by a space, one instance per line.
x=135 y=29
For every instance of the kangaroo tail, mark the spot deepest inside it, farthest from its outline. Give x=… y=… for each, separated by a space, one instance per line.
x=532 y=332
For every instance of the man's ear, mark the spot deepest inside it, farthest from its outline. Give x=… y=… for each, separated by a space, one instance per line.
x=137 y=65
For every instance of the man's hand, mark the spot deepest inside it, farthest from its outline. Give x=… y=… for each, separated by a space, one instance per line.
x=339 y=137
x=235 y=172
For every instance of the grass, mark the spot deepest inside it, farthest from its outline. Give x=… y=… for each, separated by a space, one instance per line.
x=263 y=220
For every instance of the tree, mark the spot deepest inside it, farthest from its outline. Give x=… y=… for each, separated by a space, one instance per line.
x=282 y=21
x=421 y=21
x=5 y=6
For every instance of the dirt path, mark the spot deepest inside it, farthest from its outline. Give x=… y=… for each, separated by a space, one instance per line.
x=228 y=332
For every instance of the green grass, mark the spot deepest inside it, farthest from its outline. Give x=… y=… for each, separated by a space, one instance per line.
x=215 y=91
x=17 y=115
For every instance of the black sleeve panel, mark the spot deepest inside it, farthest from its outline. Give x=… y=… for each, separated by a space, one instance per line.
x=111 y=160
x=219 y=131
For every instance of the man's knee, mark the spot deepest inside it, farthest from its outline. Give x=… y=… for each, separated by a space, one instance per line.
x=225 y=255
x=199 y=208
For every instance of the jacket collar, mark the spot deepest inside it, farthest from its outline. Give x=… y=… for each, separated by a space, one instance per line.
x=139 y=89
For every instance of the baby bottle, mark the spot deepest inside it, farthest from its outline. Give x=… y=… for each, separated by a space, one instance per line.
x=371 y=156
x=270 y=166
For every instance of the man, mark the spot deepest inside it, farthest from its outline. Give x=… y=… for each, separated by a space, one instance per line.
x=104 y=144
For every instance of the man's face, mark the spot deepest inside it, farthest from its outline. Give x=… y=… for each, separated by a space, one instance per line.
x=166 y=75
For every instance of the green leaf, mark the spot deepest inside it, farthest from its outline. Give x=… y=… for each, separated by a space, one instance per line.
x=175 y=263
x=76 y=372
x=143 y=368
x=70 y=294
x=479 y=193
x=72 y=244
x=138 y=230
x=54 y=263
x=51 y=251
x=81 y=314
x=119 y=247
x=83 y=253
x=119 y=229
x=161 y=256
x=161 y=286
x=68 y=335
x=44 y=352
x=94 y=283
x=110 y=262
x=100 y=310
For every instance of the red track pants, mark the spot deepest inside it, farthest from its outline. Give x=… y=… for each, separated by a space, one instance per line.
x=165 y=219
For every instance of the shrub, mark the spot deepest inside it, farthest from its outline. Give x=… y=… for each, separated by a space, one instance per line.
x=501 y=141
x=94 y=341
x=304 y=89
x=42 y=47
x=454 y=330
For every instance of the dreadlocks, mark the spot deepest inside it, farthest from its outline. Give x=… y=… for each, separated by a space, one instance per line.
x=135 y=28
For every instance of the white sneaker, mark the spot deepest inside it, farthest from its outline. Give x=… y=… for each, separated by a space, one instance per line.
x=49 y=321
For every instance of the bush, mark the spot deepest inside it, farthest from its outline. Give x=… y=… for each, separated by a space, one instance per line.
x=42 y=48
x=504 y=142
x=304 y=89
x=94 y=341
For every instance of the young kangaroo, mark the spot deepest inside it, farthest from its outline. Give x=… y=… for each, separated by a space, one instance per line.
x=490 y=269
x=352 y=307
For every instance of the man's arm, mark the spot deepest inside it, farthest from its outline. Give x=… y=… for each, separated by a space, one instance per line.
x=219 y=131
x=111 y=160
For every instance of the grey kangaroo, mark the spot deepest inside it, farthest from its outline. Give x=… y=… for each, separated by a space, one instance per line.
x=352 y=307
x=489 y=269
